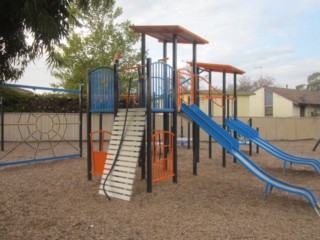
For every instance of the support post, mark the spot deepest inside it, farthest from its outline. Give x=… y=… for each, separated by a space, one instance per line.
x=228 y=106
x=143 y=104
x=224 y=114
x=195 y=127
x=189 y=126
x=116 y=87
x=235 y=105
x=89 y=160
x=80 y=120
x=210 y=113
x=250 y=143
x=257 y=146
x=142 y=99
x=100 y=128
x=175 y=107
x=149 y=128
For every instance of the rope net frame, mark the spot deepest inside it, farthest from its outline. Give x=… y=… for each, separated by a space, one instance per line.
x=41 y=136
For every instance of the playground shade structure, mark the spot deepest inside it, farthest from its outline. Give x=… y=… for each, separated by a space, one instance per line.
x=232 y=146
x=253 y=135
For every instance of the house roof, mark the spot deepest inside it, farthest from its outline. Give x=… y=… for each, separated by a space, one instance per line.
x=298 y=97
x=215 y=67
x=165 y=33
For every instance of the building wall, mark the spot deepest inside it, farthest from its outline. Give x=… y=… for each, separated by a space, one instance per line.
x=296 y=111
x=243 y=106
x=256 y=104
x=283 y=107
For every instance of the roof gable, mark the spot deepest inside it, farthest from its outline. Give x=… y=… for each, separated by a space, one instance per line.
x=298 y=97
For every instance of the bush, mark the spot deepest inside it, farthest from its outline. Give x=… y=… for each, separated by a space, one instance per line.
x=17 y=100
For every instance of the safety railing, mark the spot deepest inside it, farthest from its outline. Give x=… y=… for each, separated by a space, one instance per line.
x=162 y=155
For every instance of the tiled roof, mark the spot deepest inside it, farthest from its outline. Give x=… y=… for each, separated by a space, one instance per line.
x=298 y=97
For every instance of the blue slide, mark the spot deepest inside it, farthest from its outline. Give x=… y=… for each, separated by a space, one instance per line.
x=233 y=147
x=253 y=135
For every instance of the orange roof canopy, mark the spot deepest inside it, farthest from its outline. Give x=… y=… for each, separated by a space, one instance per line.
x=218 y=67
x=165 y=33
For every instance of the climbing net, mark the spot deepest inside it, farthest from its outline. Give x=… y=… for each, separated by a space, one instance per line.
x=35 y=137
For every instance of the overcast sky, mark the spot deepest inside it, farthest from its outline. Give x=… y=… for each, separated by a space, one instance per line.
x=276 y=38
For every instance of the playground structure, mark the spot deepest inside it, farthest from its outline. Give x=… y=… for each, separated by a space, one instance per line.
x=41 y=134
x=162 y=89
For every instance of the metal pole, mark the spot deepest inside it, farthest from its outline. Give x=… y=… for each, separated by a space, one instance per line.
x=143 y=71
x=116 y=88
x=189 y=126
x=100 y=134
x=235 y=105
x=257 y=146
x=143 y=104
x=175 y=107
x=228 y=106
x=210 y=113
x=224 y=114
x=181 y=131
x=250 y=143
x=80 y=119
x=89 y=160
x=149 y=128
x=195 y=127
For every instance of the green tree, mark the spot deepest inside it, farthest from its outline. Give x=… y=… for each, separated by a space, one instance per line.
x=300 y=87
x=31 y=27
x=314 y=82
x=94 y=44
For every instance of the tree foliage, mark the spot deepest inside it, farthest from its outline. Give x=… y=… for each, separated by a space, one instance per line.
x=17 y=100
x=245 y=84
x=94 y=44
x=31 y=27
x=313 y=83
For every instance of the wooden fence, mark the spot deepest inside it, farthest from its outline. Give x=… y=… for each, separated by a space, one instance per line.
x=44 y=127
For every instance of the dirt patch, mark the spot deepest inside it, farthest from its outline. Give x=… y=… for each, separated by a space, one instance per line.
x=54 y=200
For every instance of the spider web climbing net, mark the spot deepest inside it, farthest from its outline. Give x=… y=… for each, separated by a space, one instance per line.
x=43 y=136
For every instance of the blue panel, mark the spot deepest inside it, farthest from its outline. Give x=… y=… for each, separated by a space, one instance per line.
x=102 y=92
x=39 y=160
x=161 y=86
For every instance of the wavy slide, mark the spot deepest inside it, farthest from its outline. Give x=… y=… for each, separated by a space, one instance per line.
x=253 y=135
x=232 y=146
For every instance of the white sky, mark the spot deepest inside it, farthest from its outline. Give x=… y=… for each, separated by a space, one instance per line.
x=277 y=38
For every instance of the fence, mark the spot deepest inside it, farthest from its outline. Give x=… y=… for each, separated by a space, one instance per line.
x=270 y=128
